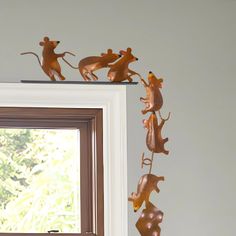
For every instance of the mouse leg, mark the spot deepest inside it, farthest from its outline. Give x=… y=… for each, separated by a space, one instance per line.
x=165 y=140
x=165 y=152
x=157 y=189
x=94 y=76
x=145 y=100
x=85 y=76
x=134 y=73
x=52 y=77
x=129 y=79
x=49 y=74
x=61 y=77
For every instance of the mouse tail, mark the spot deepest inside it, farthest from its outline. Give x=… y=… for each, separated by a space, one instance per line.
x=165 y=119
x=24 y=53
x=68 y=63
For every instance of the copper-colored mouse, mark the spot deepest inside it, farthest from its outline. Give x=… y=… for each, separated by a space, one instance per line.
x=154 y=140
x=90 y=64
x=153 y=100
x=50 y=64
x=146 y=185
x=119 y=71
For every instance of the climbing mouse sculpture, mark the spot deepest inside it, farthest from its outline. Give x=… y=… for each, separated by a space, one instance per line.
x=151 y=216
x=118 y=64
x=154 y=140
x=119 y=71
x=50 y=64
x=90 y=64
x=153 y=100
x=146 y=185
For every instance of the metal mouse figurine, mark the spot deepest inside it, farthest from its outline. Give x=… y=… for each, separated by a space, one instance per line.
x=50 y=64
x=90 y=64
x=151 y=216
x=119 y=71
x=118 y=64
x=153 y=101
x=146 y=185
x=154 y=140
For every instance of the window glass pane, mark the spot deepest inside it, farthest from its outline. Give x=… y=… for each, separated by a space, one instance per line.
x=39 y=180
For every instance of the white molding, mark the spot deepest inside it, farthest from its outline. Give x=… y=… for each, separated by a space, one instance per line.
x=112 y=99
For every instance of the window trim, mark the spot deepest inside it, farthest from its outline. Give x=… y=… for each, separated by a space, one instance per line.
x=112 y=100
x=89 y=121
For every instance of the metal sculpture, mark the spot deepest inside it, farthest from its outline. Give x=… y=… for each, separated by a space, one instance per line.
x=154 y=140
x=146 y=185
x=90 y=64
x=153 y=100
x=50 y=64
x=151 y=216
x=119 y=71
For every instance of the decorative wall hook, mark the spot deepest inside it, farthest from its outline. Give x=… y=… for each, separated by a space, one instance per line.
x=153 y=100
x=119 y=71
x=50 y=64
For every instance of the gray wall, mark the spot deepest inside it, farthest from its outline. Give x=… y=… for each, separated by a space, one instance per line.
x=191 y=44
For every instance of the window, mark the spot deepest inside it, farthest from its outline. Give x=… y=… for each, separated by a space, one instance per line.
x=70 y=145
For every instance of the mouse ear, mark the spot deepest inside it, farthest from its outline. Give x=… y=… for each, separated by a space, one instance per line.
x=41 y=43
x=46 y=39
x=129 y=50
x=122 y=52
x=109 y=51
x=145 y=124
x=131 y=198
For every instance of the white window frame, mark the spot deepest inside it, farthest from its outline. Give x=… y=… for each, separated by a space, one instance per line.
x=112 y=99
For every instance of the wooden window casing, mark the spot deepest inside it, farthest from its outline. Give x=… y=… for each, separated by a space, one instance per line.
x=89 y=122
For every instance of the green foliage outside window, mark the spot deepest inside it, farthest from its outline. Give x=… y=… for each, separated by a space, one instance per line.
x=39 y=179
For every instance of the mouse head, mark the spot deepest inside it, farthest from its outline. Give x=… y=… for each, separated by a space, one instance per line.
x=47 y=44
x=154 y=81
x=148 y=123
x=110 y=55
x=128 y=56
x=137 y=201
